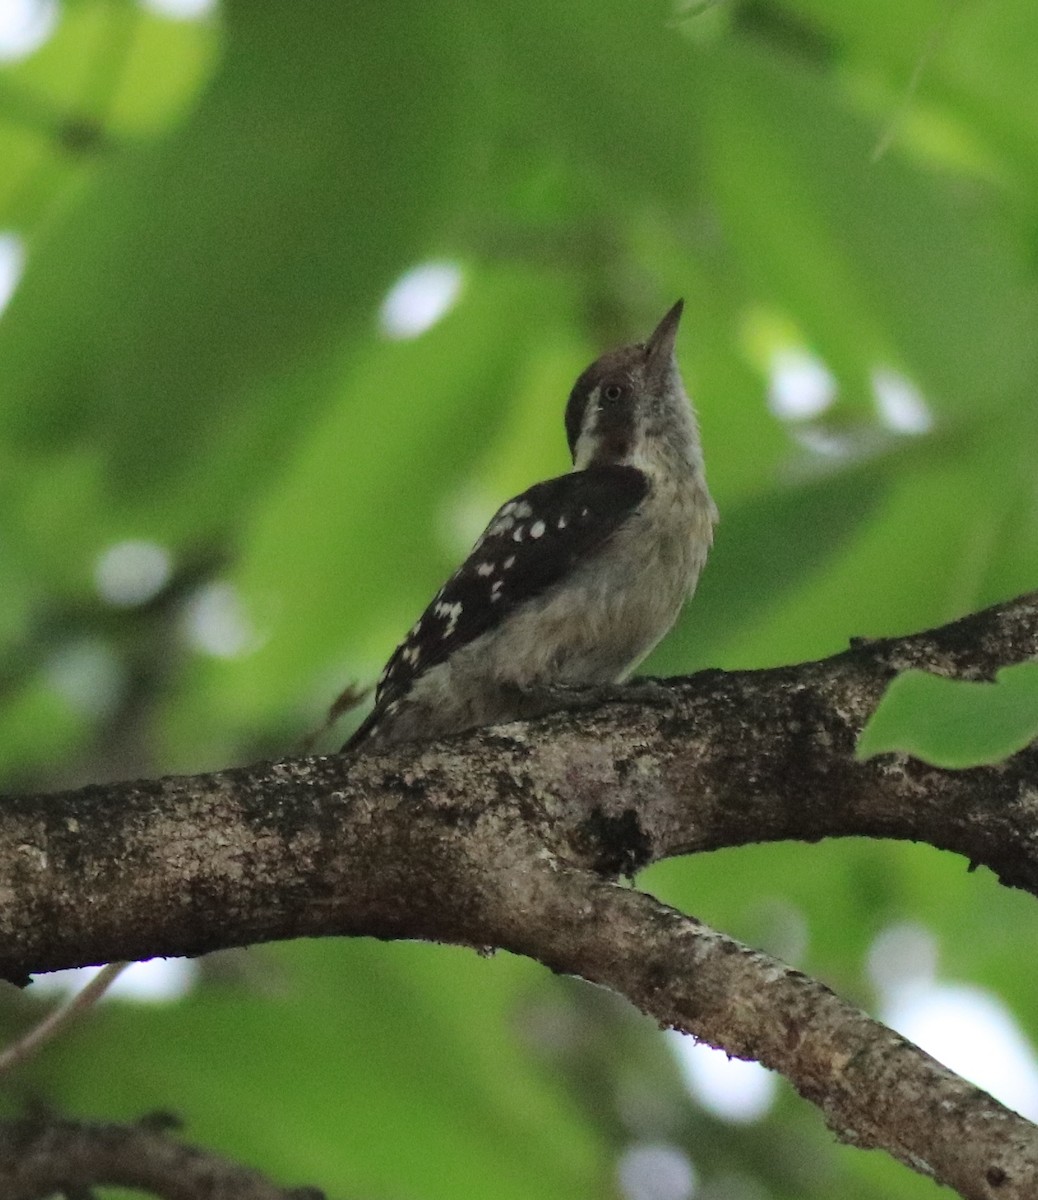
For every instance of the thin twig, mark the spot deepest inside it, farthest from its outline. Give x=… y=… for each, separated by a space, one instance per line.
x=938 y=34
x=41 y=1157
x=52 y=1024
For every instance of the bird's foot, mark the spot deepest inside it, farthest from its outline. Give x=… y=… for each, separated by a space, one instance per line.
x=541 y=699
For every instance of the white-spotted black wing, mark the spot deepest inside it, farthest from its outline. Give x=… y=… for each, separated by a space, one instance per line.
x=532 y=542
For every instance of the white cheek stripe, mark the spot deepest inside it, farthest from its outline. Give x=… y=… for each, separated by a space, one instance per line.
x=585 y=442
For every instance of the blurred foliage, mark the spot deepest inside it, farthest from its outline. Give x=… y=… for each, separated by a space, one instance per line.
x=955 y=723
x=211 y=212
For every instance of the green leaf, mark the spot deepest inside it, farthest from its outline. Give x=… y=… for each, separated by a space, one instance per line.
x=402 y=1070
x=954 y=723
x=925 y=283
x=246 y=245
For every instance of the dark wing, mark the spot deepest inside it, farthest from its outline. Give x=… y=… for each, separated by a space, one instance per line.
x=532 y=542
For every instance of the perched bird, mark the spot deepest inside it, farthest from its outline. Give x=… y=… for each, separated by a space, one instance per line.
x=574 y=581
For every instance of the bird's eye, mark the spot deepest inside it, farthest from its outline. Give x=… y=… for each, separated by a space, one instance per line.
x=612 y=391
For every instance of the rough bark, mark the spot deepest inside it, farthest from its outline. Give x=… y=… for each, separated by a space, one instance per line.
x=41 y=1157
x=508 y=836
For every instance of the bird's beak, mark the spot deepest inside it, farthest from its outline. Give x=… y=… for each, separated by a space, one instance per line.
x=659 y=349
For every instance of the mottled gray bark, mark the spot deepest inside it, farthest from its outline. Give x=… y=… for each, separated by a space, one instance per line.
x=508 y=837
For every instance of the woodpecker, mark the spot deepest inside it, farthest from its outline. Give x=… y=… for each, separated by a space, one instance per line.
x=574 y=581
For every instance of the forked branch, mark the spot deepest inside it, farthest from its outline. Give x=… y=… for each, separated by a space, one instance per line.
x=509 y=837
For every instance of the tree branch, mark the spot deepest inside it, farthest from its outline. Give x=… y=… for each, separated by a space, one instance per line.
x=41 y=1156
x=874 y=1088
x=502 y=837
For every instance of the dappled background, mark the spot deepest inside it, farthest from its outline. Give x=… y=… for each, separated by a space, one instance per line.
x=291 y=297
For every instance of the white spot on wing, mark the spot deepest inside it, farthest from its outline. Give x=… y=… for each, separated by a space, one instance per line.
x=451 y=612
x=537 y=529
x=485 y=568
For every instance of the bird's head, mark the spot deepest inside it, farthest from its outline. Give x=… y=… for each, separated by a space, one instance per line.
x=628 y=399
